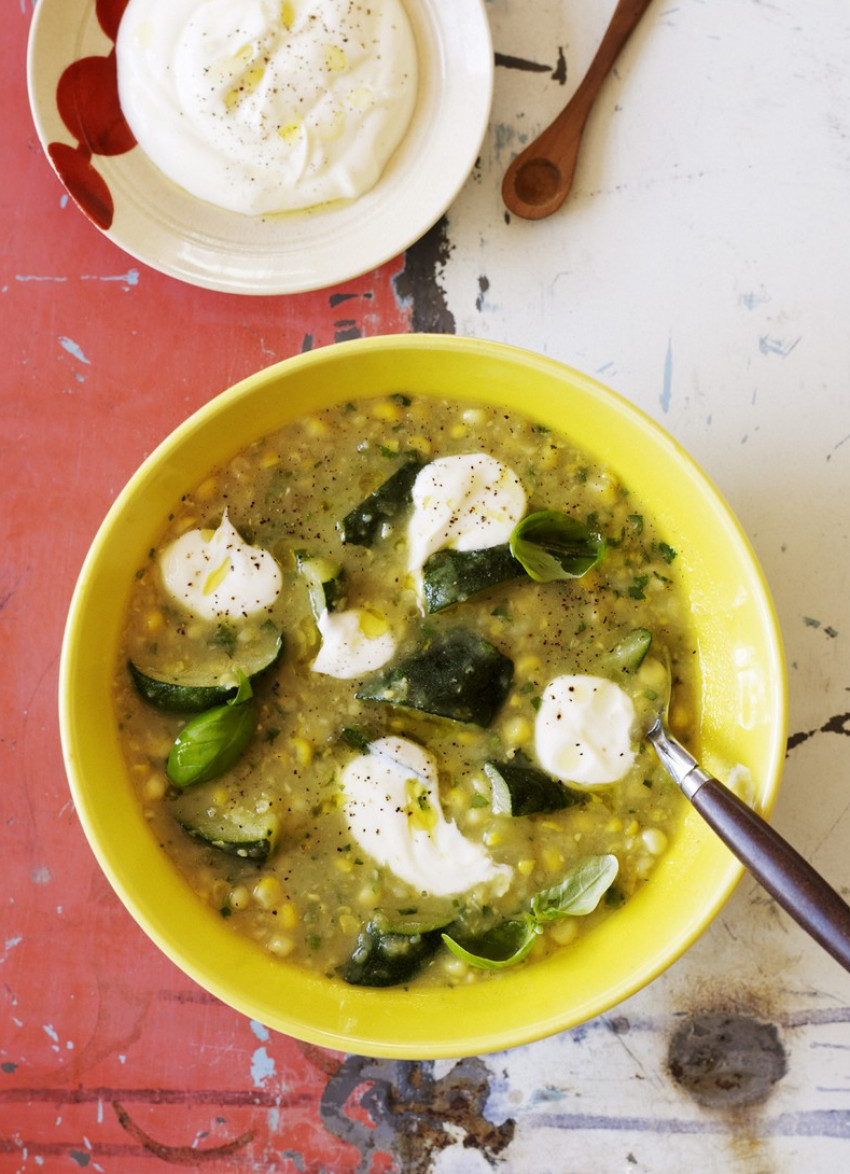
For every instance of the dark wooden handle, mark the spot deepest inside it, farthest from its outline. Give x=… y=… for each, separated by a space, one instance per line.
x=791 y=881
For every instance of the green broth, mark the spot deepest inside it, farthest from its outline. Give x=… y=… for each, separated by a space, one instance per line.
x=317 y=889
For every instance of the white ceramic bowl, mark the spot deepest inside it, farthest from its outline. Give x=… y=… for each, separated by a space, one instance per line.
x=155 y=221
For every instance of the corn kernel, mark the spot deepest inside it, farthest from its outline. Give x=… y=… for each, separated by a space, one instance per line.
x=239 y=898
x=344 y=863
x=614 y=825
x=564 y=931
x=493 y=839
x=154 y=621
x=302 y=751
x=516 y=731
x=348 y=923
x=207 y=489
x=369 y=896
x=315 y=427
x=287 y=915
x=387 y=409
x=155 y=787
x=654 y=840
x=548 y=458
x=268 y=892
x=281 y=944
x=552 y=859
x=457 y=431
x=454 y=967
x=527 y=666
x=633 y=828
x=420 y=444
x=525 y=867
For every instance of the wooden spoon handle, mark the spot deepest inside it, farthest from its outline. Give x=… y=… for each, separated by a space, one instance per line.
x=623 y=23
x=788 y=877
x=538 y=180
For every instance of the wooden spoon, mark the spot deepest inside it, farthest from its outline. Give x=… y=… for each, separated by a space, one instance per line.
x=538 y=180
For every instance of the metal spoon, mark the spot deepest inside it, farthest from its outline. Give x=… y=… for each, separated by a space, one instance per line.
x=791 y=881
x=537 y=181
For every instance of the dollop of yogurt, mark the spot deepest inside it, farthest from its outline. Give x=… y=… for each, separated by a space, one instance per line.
x=583 y=730
x=393 y=810
x=354 y=642
x=263 y=106
x=214 y=573
x=466 y=502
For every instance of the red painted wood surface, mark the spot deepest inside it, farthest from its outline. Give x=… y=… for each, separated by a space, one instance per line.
x=111 y=1059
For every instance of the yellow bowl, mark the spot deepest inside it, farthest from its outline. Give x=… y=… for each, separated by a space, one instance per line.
x=743 y=698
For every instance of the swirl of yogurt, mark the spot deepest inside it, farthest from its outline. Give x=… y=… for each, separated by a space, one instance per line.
x=267 y=106
x=214 y=573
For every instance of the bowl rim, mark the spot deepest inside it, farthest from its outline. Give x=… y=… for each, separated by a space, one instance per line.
x=445 y=1043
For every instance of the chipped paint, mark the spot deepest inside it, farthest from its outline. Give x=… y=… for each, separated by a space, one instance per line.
x=73 y=348
x=414 y=1114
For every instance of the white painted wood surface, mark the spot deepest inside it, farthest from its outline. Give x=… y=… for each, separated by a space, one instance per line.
x=701 y=268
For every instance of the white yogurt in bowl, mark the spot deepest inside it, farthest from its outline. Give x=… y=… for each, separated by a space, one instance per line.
x=267 y=106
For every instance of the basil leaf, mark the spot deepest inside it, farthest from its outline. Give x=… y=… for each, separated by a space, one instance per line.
x=504 y=945
x=552 y=545
x=580 y=890
x=211 y=743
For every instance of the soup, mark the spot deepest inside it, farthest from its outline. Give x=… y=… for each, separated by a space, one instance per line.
x=382 y=689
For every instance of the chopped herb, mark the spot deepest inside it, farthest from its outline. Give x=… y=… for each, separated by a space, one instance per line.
x=636 y=589
x=225 y=637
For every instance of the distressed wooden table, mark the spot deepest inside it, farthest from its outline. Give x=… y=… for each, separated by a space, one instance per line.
x=701 y=268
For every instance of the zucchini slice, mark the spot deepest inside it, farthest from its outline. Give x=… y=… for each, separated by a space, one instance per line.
x=451 y=576
x=389 y=957
x=325 y=583
x=518 y=788
x=362 y=526
x=190 y=689
x=227 y=822
x=457 y=675
x=628 y=655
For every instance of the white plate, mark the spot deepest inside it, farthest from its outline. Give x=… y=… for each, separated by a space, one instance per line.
x=161 y=225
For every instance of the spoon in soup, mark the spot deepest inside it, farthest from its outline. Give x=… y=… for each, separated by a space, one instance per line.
x=538 y=180
x=784 y=873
